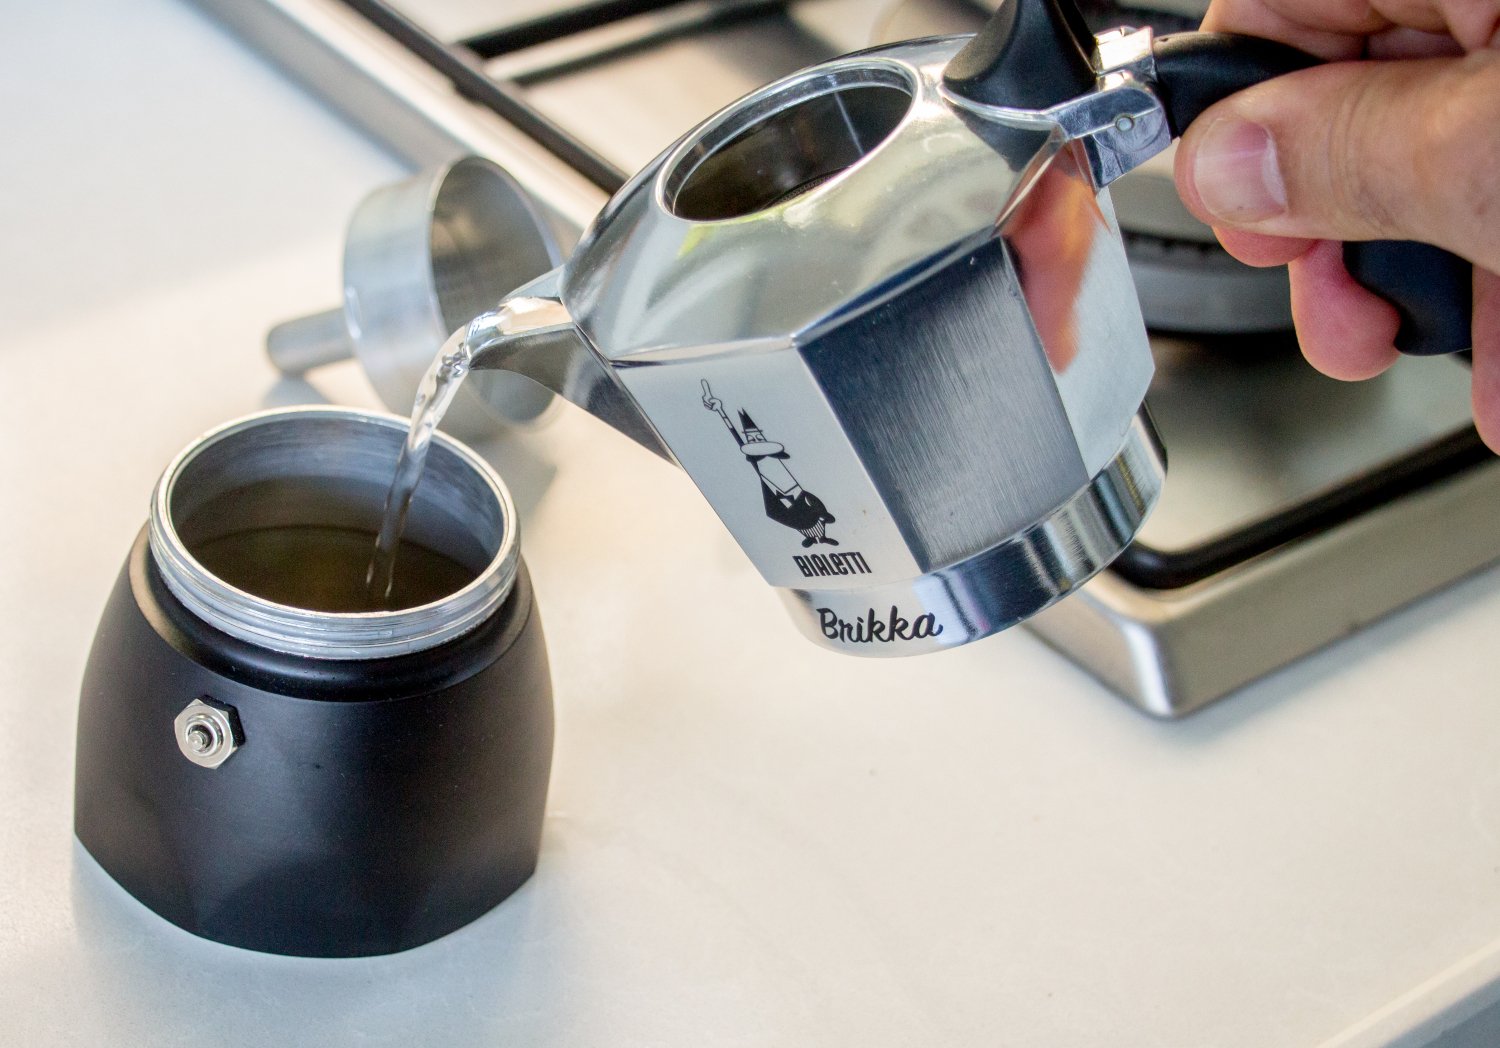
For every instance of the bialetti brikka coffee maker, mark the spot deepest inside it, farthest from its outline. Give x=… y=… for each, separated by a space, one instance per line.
x=880 y=313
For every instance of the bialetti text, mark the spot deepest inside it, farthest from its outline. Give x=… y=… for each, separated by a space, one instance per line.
x=814 y=564
x=874 y=629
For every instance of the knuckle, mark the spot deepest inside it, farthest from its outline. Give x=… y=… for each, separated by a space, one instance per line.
x=1358 y=163
x=1459 y=155
x=1413 y=153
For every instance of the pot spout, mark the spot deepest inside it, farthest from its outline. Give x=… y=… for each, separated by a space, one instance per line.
x=532 y=334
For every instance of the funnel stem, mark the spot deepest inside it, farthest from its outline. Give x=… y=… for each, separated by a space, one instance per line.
x=298 y=346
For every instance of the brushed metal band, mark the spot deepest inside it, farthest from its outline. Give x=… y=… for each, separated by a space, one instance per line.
x=1002 y=585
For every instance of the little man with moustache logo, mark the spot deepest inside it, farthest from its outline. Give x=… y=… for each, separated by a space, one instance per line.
x=787 y=501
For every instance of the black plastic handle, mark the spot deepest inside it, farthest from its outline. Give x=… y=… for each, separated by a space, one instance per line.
x=1195 y=70
x=1431 y=288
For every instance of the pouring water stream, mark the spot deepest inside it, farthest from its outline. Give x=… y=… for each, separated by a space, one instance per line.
x=529 y=334
x=438 y=387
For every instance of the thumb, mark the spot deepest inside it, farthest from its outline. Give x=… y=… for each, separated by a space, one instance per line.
x=1406 y=150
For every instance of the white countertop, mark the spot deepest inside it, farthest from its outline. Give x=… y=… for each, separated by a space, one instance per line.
x=750 y=841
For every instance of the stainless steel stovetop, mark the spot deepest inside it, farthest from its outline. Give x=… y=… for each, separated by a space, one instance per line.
x=1298 y=508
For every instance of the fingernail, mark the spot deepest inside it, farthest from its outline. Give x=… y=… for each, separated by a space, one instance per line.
x=1235 y=171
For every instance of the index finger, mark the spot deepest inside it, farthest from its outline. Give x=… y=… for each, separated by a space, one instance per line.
x=1334 y=30
x=1339 y=30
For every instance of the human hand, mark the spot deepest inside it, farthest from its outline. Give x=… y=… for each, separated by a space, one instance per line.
x=1406 y=147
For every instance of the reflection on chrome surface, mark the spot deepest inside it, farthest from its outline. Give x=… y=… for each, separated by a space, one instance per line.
x=916 y=324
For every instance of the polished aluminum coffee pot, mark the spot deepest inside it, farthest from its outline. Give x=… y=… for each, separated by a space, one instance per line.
x=880 y=312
